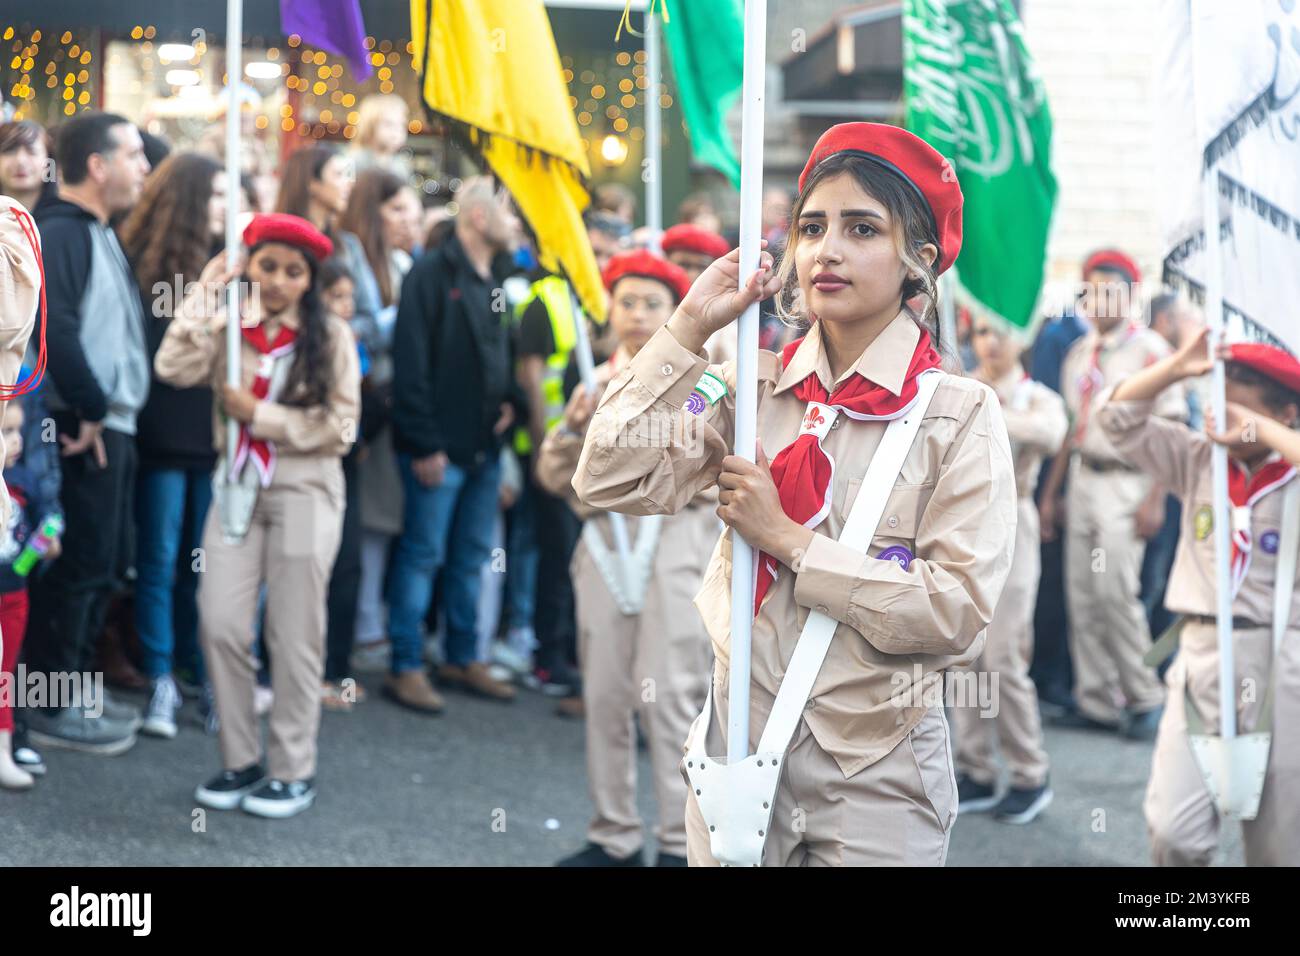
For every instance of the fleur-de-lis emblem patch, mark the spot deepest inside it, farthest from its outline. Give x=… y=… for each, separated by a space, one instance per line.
x=813 y=419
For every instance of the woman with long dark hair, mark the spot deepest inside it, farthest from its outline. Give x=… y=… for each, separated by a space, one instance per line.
x=169 y=236
x=383 y=216
x=279 y=507
x=315 y=185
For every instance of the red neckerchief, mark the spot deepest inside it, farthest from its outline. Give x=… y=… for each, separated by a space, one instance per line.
x=1243 y=491
x=262 y=451
x=803 y=471
x=1092 y=379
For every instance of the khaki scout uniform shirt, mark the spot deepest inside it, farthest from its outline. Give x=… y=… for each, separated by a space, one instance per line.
x=1036 y=425
x=20 y=286
x=953 y=505
x=1179 y=459
x=193 y=352
x=1124 y=350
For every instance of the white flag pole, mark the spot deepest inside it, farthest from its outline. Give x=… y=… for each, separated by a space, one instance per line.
x=1219 y=454
x=1219 y=459
x=751 y=207
x=234 y=73
x=654 y=196
x=587 y=372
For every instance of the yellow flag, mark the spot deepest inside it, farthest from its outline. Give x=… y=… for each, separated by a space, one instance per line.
x=491 y=69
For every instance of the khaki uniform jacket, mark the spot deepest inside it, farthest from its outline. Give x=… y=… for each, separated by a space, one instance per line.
x=1123 y=351
x=193 y=352
x=20 y=287
x=953 y=505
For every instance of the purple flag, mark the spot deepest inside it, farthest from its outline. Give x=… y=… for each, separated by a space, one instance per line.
x=333 y=25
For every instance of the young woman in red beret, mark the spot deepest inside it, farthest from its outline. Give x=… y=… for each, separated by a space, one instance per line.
x=641 y=644
x=1263 y=392
x=279 y=523
x=863 y=751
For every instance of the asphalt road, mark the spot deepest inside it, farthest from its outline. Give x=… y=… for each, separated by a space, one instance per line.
x=485 y=784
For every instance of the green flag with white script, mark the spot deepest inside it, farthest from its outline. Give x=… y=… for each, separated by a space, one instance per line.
x=973 y=94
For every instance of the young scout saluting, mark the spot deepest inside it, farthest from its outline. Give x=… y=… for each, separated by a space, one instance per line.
x=866 y=774
x=1113 y=508
x=1263 y=385
x=649 y=656
x=1036 y=425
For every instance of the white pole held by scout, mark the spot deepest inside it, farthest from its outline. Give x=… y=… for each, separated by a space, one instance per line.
x=654 y=216
x=234 y=75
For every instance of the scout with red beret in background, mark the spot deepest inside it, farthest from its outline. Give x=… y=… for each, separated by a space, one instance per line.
x=641 y=644
x=866 y=772
x=1263 y=394
x=1113 y=508
x=278 y=520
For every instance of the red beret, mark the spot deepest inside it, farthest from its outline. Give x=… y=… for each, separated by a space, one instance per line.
x=691 y=238
x=1269 y=360
x=914 y=161
x=1113 y=259
x=646 y=265
x=291 y=230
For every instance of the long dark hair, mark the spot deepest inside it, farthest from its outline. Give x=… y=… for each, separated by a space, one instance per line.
x=363 y=218
x=913 y=228
x=300 y=170
x=311 y=377
x=168 y=233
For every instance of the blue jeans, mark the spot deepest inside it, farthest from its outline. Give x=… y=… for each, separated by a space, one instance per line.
x=451 y=526
x=171 y=506
x=521 y=556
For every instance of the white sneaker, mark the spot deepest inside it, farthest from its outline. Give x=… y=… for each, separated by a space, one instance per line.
x=510 y=658
x=160 y=715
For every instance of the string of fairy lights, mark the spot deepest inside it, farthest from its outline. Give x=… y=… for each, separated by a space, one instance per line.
x=47 y=76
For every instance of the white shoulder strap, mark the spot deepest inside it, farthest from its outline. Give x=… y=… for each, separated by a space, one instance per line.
x=1284 y=579
x=818 y=630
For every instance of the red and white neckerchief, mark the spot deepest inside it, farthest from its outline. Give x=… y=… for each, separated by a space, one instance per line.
x=1243 y=491
x=261 y=452
x=1092 y=378
x=803 y=471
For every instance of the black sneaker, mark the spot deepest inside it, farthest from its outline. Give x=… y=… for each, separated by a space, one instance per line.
x=228 y=788
x=670 y=859
x=1021 y=805
x=1141 y=725
x=561 y=681
x=596 y=855
x=278 y=799
x=975 y=797
x=26 y=757
x=1076 y=720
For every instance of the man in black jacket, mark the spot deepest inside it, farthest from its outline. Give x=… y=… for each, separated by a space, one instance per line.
x=455 y=399
x=98 y=381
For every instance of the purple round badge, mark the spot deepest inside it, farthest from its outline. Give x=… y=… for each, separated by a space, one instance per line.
x=1269 y=541
x=897 y=553
x=695 y=403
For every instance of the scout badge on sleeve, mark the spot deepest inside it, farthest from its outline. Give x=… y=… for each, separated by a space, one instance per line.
x=736 y=799
x=1233 y=768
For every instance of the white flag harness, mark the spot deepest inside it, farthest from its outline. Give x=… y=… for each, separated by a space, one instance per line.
x=736 y=800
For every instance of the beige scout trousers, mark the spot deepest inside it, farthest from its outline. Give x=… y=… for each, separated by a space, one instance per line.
x=1014 y=727
x=290 y=546
x=1181 y=818
x=1103 y=566
x=898 y=811
x=655 y=665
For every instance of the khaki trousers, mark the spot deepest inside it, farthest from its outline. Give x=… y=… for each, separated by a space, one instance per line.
x=1103 y=565
x=290 y=547
x=1014 y=726
x=898 y=811
x=1182 y=821
x=655 y=665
